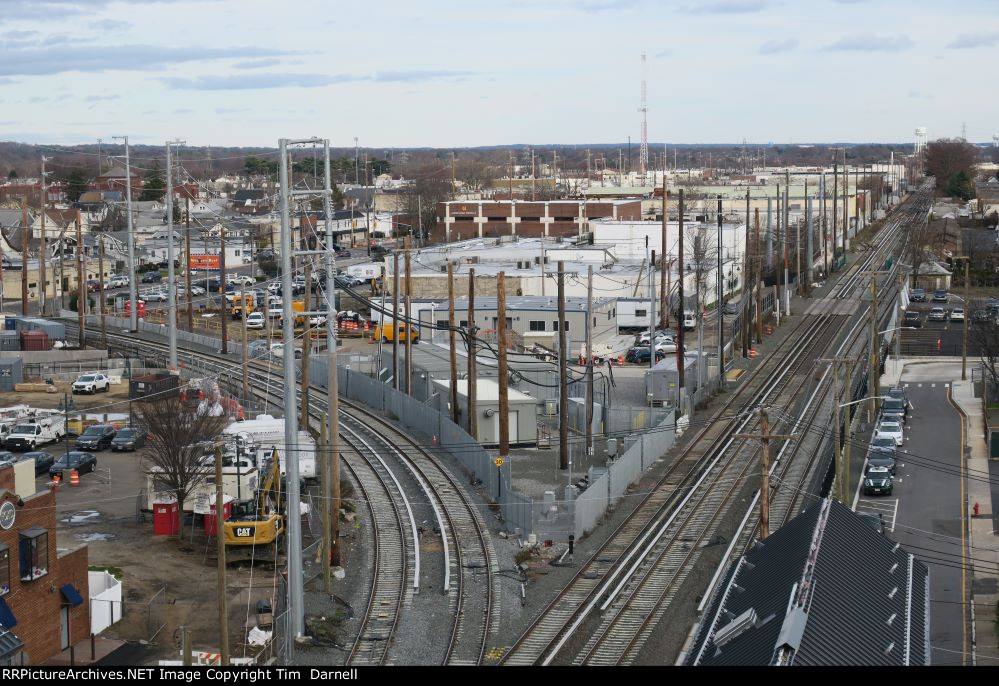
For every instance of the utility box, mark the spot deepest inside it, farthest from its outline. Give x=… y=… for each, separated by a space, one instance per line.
x=10 y=341
x=154 y=387
x=11 y=373
x=34 y=340
x=662 y=382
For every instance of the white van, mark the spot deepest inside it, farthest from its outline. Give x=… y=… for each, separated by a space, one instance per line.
x=689 y=320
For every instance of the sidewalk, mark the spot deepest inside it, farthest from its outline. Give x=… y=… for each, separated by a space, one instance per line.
x=983 y=545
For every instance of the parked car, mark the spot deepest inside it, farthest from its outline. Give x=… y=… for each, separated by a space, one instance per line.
x=379 y=251
x=938 y=314
x=274 y=287
x=7 y=456
x=731 y=308
x=912 y=318
x=91 y=383
x=129 y=439
x=918 y=295
x=957 y=314
x=80 y=461
x=899 y=392
x=342 y=253
x=255 y=320
x=118 y=281
x=197 y=290
x=240 y=280
x=43 y=461
x=165 y=264
x=97 y=437
x=642 y=354
x=982 y=315
x=939 y=296
x=894 y=409
x=878 y=481
x=93 y=285
x=152 y=277
x=346 y=282
x=157 y=296
x=884 y=444
x=882 y=456
x=889 y=428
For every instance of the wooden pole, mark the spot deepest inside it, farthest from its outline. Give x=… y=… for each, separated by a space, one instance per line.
x=395 y=321
x=81 y=285
x=473 y=428
x=563 y=375
x=452 y=340
x=103 y=301
x=680 y=357
x=222 y=284
x=306 y=341
x=835 y=221
x=964 y=324
x=874 y=382
x=664 y=250
x=764 y=436
x=847 y=432
x=43 y=249
x=589 y=359
x=409 y=319
x=326 y=548
x=504 y=402
x=24 y=255
x=246 y=380
x=223 y=600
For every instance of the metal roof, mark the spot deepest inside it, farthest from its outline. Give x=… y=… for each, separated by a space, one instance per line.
x=825 y=589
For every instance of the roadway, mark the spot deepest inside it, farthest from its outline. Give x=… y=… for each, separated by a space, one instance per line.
x=925 y=512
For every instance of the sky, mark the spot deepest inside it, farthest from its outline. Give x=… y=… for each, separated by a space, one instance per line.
x=443 y=73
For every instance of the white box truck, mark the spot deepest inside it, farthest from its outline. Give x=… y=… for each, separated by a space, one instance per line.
x=35 y=432
x=366 y=271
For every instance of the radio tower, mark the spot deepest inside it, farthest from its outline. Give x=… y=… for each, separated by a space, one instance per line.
x=643 y=156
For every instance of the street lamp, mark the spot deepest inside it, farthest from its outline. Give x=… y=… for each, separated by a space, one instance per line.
x=66 y=405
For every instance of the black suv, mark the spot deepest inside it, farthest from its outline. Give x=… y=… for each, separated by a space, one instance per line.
x=878 y=481
x=96 y=437
x=43 y=461
x=152 y=277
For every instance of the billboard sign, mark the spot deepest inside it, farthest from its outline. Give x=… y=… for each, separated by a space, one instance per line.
x=204 y=262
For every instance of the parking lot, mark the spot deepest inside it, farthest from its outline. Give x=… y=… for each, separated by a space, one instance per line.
x=925 y=509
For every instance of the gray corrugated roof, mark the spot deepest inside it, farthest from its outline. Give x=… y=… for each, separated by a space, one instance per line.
x=855 y=609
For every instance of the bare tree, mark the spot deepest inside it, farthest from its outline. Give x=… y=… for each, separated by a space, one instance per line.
x=983 y=335
x=702 y=259
x=431 y=185
x=179 y=435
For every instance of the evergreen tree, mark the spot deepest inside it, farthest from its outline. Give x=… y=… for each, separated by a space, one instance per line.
x=154 y=183
x=76 y=184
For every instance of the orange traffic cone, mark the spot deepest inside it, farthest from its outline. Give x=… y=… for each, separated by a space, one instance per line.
x=74 y=478
x=56 y=480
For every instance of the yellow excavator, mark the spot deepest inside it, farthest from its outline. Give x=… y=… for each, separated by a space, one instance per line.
x=248 y=534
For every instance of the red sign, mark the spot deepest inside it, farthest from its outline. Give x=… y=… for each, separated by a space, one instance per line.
x=204 y=262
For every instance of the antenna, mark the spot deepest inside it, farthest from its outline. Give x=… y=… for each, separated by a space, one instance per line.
x=964 y=131
x=643 y=155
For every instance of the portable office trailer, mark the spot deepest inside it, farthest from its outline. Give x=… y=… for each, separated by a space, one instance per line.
x=523 y=411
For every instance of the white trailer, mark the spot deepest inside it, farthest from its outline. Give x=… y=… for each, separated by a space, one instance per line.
x=366 y=271
x=259 y=437
x=634 y=314
x=238 y=483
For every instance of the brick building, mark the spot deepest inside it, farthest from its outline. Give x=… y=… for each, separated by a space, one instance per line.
x=461 y=220
x=43 y=591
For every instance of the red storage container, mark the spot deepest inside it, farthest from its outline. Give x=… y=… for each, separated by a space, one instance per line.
x=35 y=340
x=210 y=525
x=166 y=519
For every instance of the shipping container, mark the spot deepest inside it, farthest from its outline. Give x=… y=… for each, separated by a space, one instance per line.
x=35 y=340
x=154 y=386
x=11 y=372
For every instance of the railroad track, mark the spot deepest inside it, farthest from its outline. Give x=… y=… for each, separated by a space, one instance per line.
x=463 y=530
x=636 y=574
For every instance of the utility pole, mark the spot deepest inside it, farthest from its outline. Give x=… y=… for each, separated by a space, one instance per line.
x=24 y=255
x=473 y=428
x=225 y=301
x=652 y=312
x=663 y=293
x=758 y=288
x=747 y=320
x=331 y=470
x=680 y=357
x=842 y=477
x=764 y=436
x=809 y=247
x=395 y=321
x=133 y=272
x=563 y=375
x=874 y=372
x=964 y=324
x=171 y=273
x=822 y=227
x=835 y=203
x=187 y=260
x=325 y=551
x=504 y=403
x=719 y=307
x=589 y=360
x=306 y=334
x=846 y=199
x=222 y=591
x=409 y=320
x=452 y=342
x=246 y=380
x=43 y=250
x=103 y=301
x=783 y=248
x=81 y=284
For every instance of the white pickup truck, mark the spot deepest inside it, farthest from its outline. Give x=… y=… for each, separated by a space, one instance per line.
x=34 y=433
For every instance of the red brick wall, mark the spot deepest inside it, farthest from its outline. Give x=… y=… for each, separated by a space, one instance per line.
x=7 y=478
x=34 y=603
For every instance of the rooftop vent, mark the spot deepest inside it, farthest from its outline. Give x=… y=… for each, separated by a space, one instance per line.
x=735 y=628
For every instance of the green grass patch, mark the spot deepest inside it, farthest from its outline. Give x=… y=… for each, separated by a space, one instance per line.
x=116 y=572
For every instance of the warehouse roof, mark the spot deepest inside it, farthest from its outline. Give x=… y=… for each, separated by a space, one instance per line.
x=824 y=589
